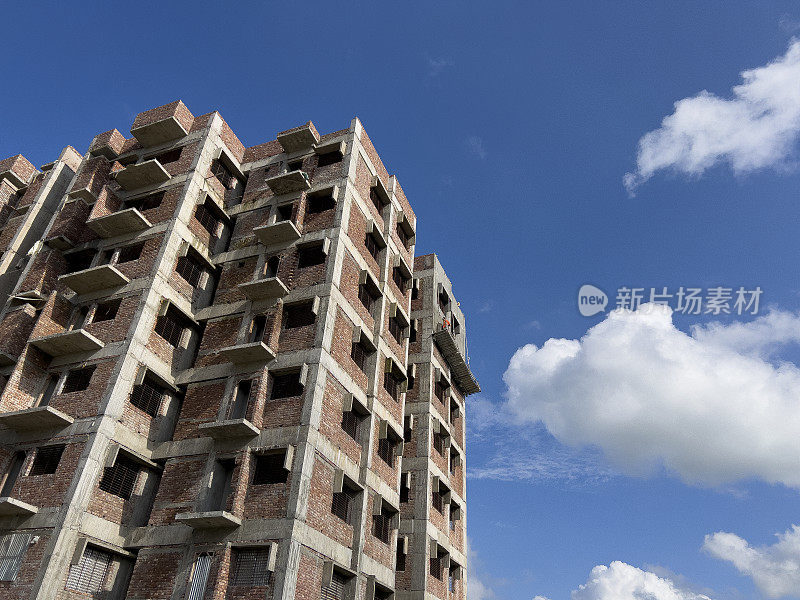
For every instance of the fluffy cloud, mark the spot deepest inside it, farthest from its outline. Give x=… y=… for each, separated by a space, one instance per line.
x=710 y=406
x=621 y=581
x=477 y=588
x=755 y=129
x=774 y=569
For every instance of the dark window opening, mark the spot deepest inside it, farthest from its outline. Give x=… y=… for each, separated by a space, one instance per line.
x=405 y=490
x=335 y=589
x=80 y=260
x=171 y=326
x=400 y=280
x=46 y=460
x=78 y=380
x=444 y=301
x=382 y=526
x=351 y=423
x=396 y=329
x=106 y=311
x=360 y=354
x=367 y=296
x=145 y=203
x=310 y=256
x=438 y=442
x=224 y=175
x=241 y=398
x=407 y=431
x=440 y=390
x=286 y=385
x=329 y=158
x=269 y=469
x=284 y=213
x=392 y=385
x=271 y=267
x=343 y=503
x=250 y=567
x=49 y=390
x=376 y=200
x=400 y=564
x=208 y=218
x=191 y=268
x=320 y=203
x=13 y=473
x=386 y=451
x=372 y=246
x=295 y=165
x=415 y=292
x=258 y=327
x=298 y=315
x=403 y=236
x=437 y=501
x=170 y=156
x=120 y=479
x=147 y=396
x=130 y=253
x=412 y=336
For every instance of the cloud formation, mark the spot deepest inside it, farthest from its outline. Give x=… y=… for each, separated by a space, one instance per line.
x=475 y=146
x=621 y=581
x=757 y=128
x=708 y=406
x=774 y=569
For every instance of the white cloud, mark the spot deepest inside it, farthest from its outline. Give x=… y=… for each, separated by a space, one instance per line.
x=755 y=129
x=475 y=146
x=774 y=569
x=621 y=581
x=650 y=395
x=477 y=588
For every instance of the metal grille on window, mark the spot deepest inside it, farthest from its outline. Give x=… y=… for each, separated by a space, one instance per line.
x=438 y=442
x=206 y=219
x=398 y=278
x=382 y=527
x=372 y=246
x=12 y=551
x=89 y=575
x=46 y=460
x=197 y=587
x=78 y=380
x=401 y=233
x=391 y=385
x=436 y=567
x=350 y=424
x=190 y=269
x=341 y=504
x=437 y=501
x=221 y=172
x=170 y=326
x=365 y=296
x=386 y=451
x=396 y=330
x=147 y=397
x=359 y=356
x=334 y=590
x=250 y=567
x=121 y=478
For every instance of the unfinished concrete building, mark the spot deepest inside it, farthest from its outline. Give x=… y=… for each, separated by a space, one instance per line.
x=216 y=381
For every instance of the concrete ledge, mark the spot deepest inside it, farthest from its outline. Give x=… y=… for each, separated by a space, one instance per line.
x=121 y=222
x=149 y=172
x=298 y=138
x=94 y=279
x=231 y=428
x=208 y=519
x=69 y=342
x=35 y=418
x=282 y=232
x=159 y=132
x=287 y=183
x=458 y=366
x=261 y=289
x=251 y=352
x=11 y=507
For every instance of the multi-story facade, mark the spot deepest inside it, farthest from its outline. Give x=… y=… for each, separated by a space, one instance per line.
x=205 y=355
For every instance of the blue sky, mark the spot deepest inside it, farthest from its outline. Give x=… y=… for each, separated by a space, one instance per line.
x=510 y=127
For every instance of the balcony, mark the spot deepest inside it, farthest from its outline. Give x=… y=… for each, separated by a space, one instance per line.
x=209 y=519
x=68 y=342
x=94 y=279
x=282 y=232
x=121 y=222
x=36 y=418
x=289 y=183
x=231 y=428
x=247 y=353
x=263 y=289
x=149 y=172
x=11 y=507
x=159 y=132
x=298 y=138
x=458 y=365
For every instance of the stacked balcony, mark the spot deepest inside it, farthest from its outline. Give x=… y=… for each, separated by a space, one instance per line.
x=94 y=279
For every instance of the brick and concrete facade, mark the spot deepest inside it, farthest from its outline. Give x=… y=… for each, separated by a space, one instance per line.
x=205 y=353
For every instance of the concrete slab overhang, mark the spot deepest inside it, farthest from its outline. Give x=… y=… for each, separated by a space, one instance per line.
x=68 y=342
x=231 y=428
x=458 y=365
x=35 y=418
x=93 y=279
x=298 y=138
x=11 y=507
x=246 y=353
x=149 y=172
x=208 y=519
x=261 y=289
x=288 y=183
x=121 y=222
x=282 y=232
x=159 y=132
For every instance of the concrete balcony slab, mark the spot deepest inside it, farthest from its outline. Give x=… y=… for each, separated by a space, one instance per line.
x=208 y=519
x=94 y=279
x=282 y=232
x=36 y=418
x=159 y=132
x=121 y=222
x=231 y=428
x=263 y=289
x=245 y=353
x=11 y=507
x=298 y=138
x=68 y=342
x=288 y=183
x=149 y=172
